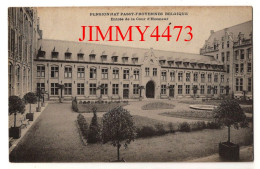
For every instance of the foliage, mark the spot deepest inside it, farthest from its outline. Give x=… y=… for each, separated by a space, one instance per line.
x=16 y=105
x=30 y=98
x=213 y=125
x=157 y=106
x=74 y=105
x=171 y=128
x=94 y=129
x=185 y=127
x=229 y=113
x=146 y=131
x=199 y=125
x=160 y=129
x=83 y=125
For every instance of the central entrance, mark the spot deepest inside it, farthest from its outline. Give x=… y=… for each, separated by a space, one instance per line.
x=150 y=88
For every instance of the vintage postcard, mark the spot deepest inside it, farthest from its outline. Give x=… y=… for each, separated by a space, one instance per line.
x=130 y=84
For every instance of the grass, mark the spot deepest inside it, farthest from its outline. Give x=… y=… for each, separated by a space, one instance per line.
x=211 y=102
x=157 y=106
x=101 y=107
x=198 y=115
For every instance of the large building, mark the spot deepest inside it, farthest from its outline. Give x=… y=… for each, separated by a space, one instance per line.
x=90 y=71
x=23 y=35
x=233 y=46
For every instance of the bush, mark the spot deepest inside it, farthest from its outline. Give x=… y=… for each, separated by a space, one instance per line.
x=213 y=125
x=75 y=105
x=146 y=131
x=160 y=129
x=83 y=125
x=184 y=127
x=94 y=129
x=199 y=125
x=171 y=128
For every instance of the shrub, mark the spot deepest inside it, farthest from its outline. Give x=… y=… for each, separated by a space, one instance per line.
x=184 y=127
x=146 y=131
x=160 y=129
x=213 y=125
x=75 y=105
x=199 y=125
x=171 y=128
x=94 y=129
x=83 y=125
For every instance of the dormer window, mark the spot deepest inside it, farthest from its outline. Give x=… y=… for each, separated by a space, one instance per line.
x=41 y=53
x=186 y=63
x=103 y=56
x=170 y=62
x=125 y=59
x=92 y=56
x=54 y=54
x=162 y=62
x=135 y=60
x=67 y=54
x=114 y=58
x=80 y=55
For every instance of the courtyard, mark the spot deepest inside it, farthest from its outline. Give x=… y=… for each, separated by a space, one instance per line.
x=54 y=137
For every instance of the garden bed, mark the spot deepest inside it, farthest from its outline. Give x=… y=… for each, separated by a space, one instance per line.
x=198 y=115
x=157 y=106
x=101 y=107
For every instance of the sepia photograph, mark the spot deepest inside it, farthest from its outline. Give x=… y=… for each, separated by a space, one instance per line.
x=130 y=84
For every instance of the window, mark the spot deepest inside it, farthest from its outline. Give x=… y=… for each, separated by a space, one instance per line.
x=215 y=91
x=236 y=54
x=40 y=86
x=222 y=45
x=239 y=84
x=40 y=71
x=80 y=88
x=147 y=71
x=81 y=72
x=68 y=72
x=209 y=77
x=67 y=88
x=93 y=73
x=227 y=44
x=249 y=67
x=223 y=56
x=228 y=56
x=215 y=78
x=54 y=89
x=104 y=73
x=187 y=89
x=172 y=76
x=126 y=74
x=237 y=68
x=179 y=89
x=67 y=56
x=55 y=71
x=80 y=56
x=221 y=89
x=187 y=77
x=180 y=76
x=209 y=90
x=202 y=78
x=249 y=85
x=202 y=89
x=115 y=89
x=104 y=89
x=217 y=56
x=136 y=74
x=92 y=57
x=92 y=89
x=222 y=78
x=242 y=54
x=163 y=77
x=163 y=89
x=54 y=54
x=242 y=68
x=228 y=67
x=154 y=71
x=249 y=53
x=195 y=77
x=115 y=73
x=136 y=89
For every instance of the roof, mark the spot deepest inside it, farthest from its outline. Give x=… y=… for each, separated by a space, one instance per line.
x=60 y=46
x=245 y=28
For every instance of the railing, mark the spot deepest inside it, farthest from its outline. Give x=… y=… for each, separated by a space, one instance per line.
x=243 y=42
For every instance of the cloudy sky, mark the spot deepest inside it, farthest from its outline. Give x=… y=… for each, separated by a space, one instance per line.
x=65 y=24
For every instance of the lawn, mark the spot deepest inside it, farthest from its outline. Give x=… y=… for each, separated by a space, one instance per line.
x=198 y=115
x=157 y=106
x=101 y=107
x=209 y=102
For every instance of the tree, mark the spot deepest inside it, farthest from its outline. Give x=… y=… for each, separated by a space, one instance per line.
x=229 y=113
x=94 y=129
x=194 y=89
x=30 y=98
x=16 y=105
x=118 y=127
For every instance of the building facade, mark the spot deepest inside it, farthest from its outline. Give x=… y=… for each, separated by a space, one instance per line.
x=23 y=35
x=233 y=46
x=91 y=71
